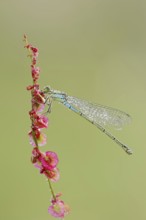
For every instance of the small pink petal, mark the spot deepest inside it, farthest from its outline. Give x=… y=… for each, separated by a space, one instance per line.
x=39 y=107
x=38 y=96
x=38 y=165
x=35 y=72
x=40 y=121
x=41 y=139
x=50 y=160
x=53 y=175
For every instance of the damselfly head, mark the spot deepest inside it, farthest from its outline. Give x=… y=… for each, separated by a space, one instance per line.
x=47 y=90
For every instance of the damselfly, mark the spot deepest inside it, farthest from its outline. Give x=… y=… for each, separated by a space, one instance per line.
x=98 y=115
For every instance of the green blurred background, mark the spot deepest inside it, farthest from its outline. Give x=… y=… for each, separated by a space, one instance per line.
x=95 y=50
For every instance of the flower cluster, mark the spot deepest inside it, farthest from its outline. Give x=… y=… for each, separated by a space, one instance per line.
x=58 y=208
x=39 y=121
x=47 y=161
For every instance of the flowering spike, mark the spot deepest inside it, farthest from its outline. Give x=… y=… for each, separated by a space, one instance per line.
x=45 y=162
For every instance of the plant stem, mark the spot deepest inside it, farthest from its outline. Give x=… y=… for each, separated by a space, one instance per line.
x=51 y=189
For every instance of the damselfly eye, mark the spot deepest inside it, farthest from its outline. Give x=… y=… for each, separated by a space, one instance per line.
x=47 y=89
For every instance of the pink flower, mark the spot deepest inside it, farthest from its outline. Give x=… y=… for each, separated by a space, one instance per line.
x=34 y=51
x=30 y=87
x=58 y=208
x=53 y=175
x=40 y=121
x=36 y=158
x=38 y=107
x=35 y=71
x=36 y=154
x=46 y=163
x=38 y=96
x=38 y=100
x=40 y=137
x=50 y=160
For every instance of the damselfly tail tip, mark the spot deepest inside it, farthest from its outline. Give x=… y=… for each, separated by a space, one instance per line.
x=129 y=151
